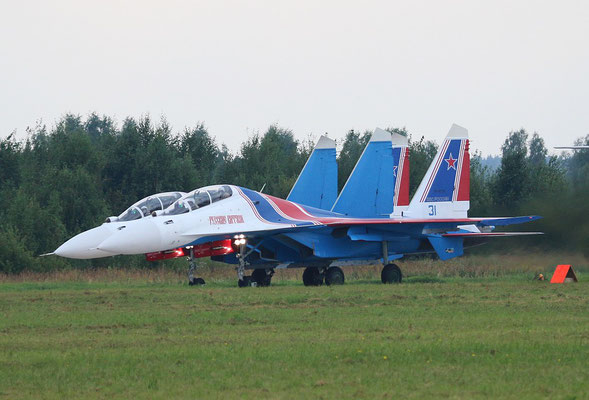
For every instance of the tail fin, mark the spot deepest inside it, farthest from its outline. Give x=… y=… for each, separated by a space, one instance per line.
x=444 y=192
x=370 y=189
x=316 y=186
x=401 y=172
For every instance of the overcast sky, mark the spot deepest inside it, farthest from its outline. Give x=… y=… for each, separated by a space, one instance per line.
x=310 y=66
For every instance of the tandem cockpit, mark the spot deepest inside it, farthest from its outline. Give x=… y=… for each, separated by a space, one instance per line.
x=147 y=206
x=199 y=198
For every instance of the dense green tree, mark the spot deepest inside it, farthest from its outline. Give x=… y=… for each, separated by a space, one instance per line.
x=481 y=195
x=272 y=161
x=63 y=180
x=578 y=166
x=512 y=181
x=10 y=154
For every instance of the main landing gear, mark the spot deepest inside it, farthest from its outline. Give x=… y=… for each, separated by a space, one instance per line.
x=391 y=273
x=313 y=276
x=192 y=281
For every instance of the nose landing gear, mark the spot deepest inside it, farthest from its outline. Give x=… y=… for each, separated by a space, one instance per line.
x=259 y=277
x=192 y=281
x=262 y=277
x=314 y=276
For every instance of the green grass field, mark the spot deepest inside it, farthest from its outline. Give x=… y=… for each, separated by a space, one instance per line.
x=430 y=337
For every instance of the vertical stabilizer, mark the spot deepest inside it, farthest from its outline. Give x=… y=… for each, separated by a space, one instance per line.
x=370 y=189
x=316 y=186
x=444 y=192
x=401 y=172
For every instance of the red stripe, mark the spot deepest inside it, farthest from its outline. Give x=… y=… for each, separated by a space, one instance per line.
x=464 y=188
x=291 y=210
x=404 y=187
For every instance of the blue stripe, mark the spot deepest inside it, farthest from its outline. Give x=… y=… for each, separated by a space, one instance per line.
x=267 y=211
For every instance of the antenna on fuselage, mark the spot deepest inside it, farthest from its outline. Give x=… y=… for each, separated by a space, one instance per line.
x=262 y=189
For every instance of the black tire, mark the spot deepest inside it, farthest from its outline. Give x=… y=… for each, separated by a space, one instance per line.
x=261 y=277
x=312 y=277
x=334 y=276
x=199 y=281
x=196 y=281
x=391 y=273
x=245 y=282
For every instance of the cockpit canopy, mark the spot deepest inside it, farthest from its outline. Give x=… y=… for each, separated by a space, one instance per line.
x=200 y=198
x=146 y=206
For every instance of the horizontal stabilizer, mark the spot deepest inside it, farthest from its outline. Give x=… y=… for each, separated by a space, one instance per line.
x=316 y=186
x=504 y=221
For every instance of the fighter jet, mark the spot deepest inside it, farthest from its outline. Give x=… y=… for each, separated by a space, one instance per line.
x=85 y=244
x=259 y=232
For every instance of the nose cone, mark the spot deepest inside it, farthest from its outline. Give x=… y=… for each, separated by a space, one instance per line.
x=139 y=237
x=84 y=245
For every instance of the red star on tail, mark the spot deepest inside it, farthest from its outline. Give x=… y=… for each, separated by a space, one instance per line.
x=451 y=162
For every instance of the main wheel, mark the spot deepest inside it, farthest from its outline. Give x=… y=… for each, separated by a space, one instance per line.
x=312 y=277
x=391 y=274
x=261 y=277
x=334 y=276
x=245 y=282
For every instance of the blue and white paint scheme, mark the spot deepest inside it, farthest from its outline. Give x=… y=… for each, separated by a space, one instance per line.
x=267 y=232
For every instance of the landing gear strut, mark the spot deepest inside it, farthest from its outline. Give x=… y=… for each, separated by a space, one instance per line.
x=191 y=279
x=260 y=277
x=391 y=273
x=242 y=280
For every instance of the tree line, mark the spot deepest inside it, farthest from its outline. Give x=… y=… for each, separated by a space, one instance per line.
x=59 y=182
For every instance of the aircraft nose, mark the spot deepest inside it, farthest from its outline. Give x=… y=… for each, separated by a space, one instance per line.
x=84 y=245
x=137 y=238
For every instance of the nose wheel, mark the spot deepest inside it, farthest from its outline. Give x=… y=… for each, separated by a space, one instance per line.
x=196 y=282
x=192 y=281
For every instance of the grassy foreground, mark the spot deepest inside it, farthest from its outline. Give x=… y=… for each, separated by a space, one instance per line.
x=455 y=337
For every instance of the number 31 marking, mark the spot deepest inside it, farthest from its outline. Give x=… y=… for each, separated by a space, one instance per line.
x=432 y=210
